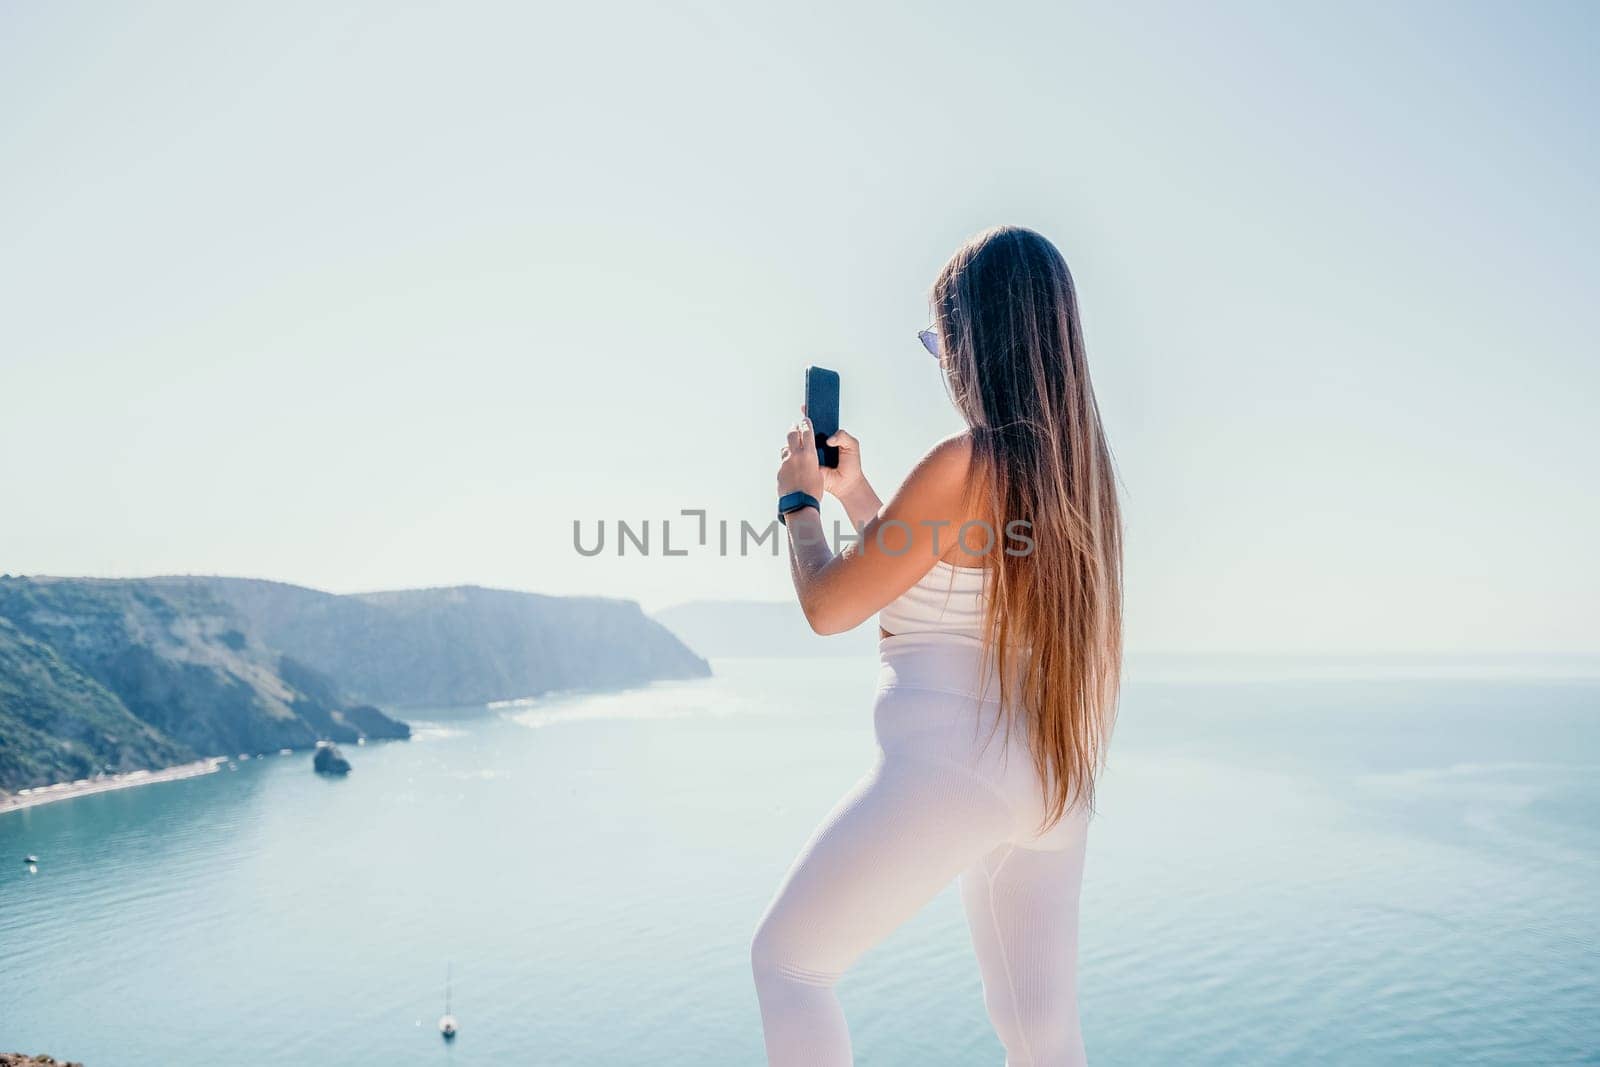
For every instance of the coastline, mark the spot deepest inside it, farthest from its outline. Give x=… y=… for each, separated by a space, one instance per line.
x=49 y=794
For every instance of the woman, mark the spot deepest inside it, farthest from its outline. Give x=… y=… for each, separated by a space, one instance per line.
x=997 y=569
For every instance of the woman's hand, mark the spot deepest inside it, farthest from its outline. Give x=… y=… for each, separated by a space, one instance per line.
x=848 y=483
x=799 y=470
x=845 y=479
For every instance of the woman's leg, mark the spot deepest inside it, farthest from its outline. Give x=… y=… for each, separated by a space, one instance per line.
x=1022 y=905
x=906 y=830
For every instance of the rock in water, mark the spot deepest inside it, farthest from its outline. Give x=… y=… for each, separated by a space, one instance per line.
x=374 y=723
x=329 y=760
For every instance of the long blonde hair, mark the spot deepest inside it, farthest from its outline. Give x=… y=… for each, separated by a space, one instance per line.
x=1012 y=344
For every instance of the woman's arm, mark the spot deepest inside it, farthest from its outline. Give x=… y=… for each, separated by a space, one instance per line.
x=898 y=543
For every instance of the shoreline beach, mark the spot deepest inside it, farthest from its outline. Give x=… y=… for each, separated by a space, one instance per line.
x=49 y=794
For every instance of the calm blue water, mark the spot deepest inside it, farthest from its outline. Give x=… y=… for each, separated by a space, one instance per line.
x=1334 y=865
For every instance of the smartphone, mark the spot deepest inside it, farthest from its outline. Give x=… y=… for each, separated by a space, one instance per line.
x=822 y=408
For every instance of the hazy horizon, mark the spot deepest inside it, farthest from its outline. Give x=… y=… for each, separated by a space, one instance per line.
x=387 y=297
x=655 y=611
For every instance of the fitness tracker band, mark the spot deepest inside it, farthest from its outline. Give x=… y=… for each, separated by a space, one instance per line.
x=794 y=502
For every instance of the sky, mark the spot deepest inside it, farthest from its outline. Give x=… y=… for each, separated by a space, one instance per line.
x=368 y=296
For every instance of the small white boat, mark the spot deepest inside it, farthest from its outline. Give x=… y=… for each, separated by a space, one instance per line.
x=447 y=1022
x=30 y=859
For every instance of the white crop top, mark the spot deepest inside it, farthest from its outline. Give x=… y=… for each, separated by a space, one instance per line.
x=948 y=599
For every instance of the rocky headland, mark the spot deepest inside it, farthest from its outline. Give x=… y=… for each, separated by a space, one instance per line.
x=100 y=678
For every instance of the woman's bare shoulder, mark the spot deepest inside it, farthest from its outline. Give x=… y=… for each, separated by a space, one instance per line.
x=950 y=481
x=940 y=485
x=948 y=460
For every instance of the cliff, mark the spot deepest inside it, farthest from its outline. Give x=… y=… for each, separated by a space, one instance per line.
x=58 y=724
x=461 y=645
x=102 y=675
x=107 y=676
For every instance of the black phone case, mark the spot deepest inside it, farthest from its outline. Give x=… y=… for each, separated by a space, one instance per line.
x=822 y=408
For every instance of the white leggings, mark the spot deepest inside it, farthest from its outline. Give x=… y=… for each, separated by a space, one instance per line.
x=944 y=798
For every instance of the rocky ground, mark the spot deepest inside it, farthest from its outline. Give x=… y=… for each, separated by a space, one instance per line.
x=17 y=1059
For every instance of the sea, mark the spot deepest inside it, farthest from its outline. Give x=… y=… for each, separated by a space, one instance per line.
x=1314 y=861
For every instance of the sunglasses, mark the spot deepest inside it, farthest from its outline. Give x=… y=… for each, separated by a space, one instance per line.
x=930 y=341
